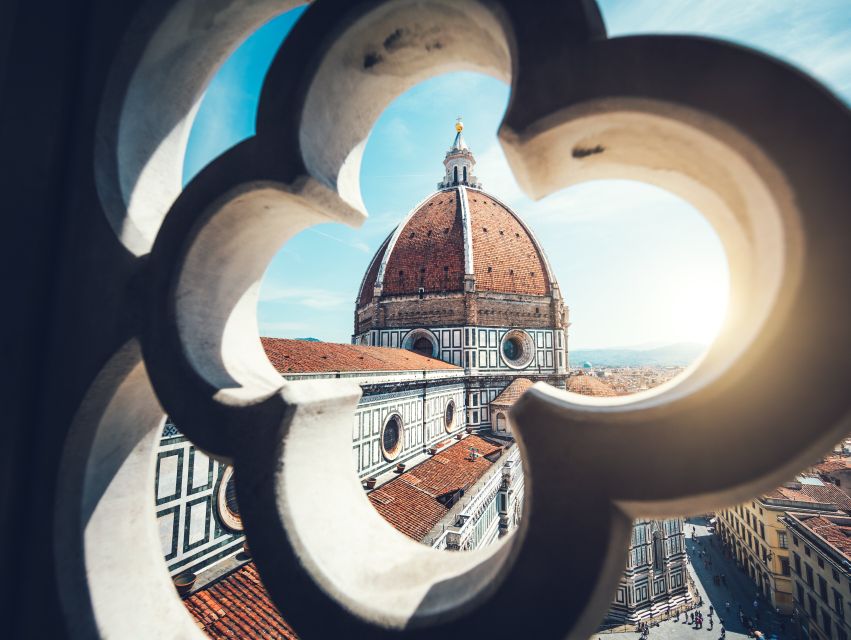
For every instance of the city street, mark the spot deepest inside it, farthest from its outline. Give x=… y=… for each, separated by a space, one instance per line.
x=739 y=591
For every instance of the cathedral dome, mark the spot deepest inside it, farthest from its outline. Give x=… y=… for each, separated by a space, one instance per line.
x=458 y=239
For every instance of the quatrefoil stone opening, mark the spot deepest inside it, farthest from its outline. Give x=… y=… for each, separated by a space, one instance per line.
x=583 y=107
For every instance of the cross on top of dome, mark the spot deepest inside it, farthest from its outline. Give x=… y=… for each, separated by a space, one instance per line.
x=459 y=143
x=459 y=163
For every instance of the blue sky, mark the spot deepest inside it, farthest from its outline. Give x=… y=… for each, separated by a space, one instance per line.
x=637 y=265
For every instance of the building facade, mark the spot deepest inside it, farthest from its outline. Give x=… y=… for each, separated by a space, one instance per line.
x=655 y=580
x=755 y=533
x=821 y=565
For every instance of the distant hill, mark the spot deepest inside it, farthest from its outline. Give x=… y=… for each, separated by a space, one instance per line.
x=679 y=354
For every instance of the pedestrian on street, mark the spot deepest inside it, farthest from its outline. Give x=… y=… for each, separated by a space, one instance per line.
x=711 y=609
x=727 y=606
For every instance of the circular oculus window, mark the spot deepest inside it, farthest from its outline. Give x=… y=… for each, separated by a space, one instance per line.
x=517 y=349
x=449 y=416
x=391 y=437
x=226 y=501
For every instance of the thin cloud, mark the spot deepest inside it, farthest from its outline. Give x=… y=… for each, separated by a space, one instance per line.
x=312 y=298
x=354 y=244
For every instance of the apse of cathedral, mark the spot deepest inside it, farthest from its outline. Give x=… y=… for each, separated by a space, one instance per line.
x=457 y=315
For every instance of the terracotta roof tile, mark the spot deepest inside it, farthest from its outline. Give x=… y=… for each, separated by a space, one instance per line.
x=429 y=252
x=238 y=606
x=832 y=464
x=505 y=259
x=410 y=502
x=306 y=356
x=836 y=535
x=512 y=392
x=825 y=494
x=589 y=386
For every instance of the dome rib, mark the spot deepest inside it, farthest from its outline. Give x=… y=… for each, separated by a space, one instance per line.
x=454 y=234
x=367 y=285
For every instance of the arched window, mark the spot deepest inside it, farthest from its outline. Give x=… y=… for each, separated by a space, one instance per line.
x=455 y=173
x=658 y=554
x=422 y=346
x=465 y=175
x=500 y=422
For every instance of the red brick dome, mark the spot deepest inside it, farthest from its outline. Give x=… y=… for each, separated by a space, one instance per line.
x=456 y=234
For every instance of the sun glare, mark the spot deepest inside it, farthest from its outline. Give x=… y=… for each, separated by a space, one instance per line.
x=698 y=311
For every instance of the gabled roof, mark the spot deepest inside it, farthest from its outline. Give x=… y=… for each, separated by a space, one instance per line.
x=305 y=356
x=238 y=606
x=512 y=392
x=410 y=502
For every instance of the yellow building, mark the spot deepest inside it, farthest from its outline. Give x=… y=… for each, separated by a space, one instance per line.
x=756 y=535
x=820 y=546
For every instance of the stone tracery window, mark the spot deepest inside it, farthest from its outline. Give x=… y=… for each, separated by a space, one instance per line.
x=517 y=349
